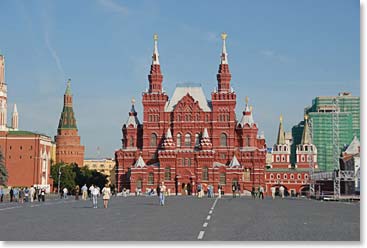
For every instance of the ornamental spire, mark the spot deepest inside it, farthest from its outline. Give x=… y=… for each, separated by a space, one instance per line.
x=281 y=134
x=14 y=118
x=155 y=56
x=306 y=137
x=68 y=87
x=224 y=57
x=155 y=77
x=224 y=76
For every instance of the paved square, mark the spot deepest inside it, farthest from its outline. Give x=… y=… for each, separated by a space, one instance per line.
x=182 y=218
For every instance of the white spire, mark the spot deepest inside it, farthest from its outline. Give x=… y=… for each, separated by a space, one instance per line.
x=224 y=57
x=14 y=118
x=205 y=133
x=155 y=56
x=168 y=134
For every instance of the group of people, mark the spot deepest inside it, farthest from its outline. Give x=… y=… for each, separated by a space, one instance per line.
x=258 y=193
x=93 y=191
x=236 y=190
x=24 y=194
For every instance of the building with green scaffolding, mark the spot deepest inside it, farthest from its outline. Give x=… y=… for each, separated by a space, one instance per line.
x=321 y=115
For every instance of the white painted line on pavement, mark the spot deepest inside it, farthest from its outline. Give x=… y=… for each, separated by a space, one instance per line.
x=211 y=211
x=208 y=217
x=10 y=208
x=205 y=224
x=201 y=235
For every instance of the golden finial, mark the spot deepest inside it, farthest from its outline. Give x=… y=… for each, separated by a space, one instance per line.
x=155 y=37
x=306 y=117
x=133 y=101
x=281 y=118
x=224 y=36
x=246 y=100
x=250 y=108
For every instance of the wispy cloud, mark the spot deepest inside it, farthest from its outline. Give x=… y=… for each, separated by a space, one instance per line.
x=53 y=53
x=114 y=6
x=275 y=55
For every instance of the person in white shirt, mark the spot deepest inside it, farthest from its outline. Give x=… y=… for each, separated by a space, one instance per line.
x=84 y=192
x=90 y=190
x=95 y=194
x=65 y=191
x=281 y=189
x=162 y=192
x=106 y=194
x=31 y=193
x=273 y=192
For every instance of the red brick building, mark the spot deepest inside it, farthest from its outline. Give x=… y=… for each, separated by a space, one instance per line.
x=27 y=155
x=294 y=178
x=68 y=147
x=190 y=139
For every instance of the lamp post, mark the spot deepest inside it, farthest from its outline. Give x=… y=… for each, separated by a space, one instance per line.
x=58 y=182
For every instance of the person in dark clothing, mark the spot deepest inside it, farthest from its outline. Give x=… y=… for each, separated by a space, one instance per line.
x=238 y=190
x=43 y=194
x=11 y=194
x=253 y=192
x=189 y=189
x=234 y=190
x=158 y=190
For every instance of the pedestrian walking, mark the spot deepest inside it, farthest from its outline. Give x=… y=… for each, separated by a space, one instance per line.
x=219 y=191
x=43 y=194
x=281 y=189
x=95 y=194
x=234 y=190
x=253 y=192
x=65 y=193
x=162 y=192
x=21 y=195
x=199 y=189
x=32 y=193
x=106 y=194
x=11 y=194
x=261 y=191
x=39 y=193
x=91 y=188
x=273 y=192
x=26 y=194
x=77 y=192
x=238 y=189
x=84 y=192
x=1 y=194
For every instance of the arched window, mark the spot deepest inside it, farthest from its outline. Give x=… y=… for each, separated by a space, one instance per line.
x=197 y=141
x=167 y=173
x=278 y=176
x=271 y=176
x=283 y=158
x=285 y=176
x=222 y=178
x=299 y=176
x=150 y=178
x=247 y=141
x=303 y=158
x=178 y=140
x=205 y=175
x=277 y=158
x=189 y=162
x=246 y=176
x=131 y=141
x=306 y=176
x=153 y=140
x=179 y=118
x=223 y=139
x=187 y=139
x=292 y=176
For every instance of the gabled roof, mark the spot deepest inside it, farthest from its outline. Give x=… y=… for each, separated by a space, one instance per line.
x=354 y=146
x=194 y=90
x=234 y=162
x=132 y=120
x=139 y=163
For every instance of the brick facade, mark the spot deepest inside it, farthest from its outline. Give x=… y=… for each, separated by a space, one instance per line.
x=189 y=139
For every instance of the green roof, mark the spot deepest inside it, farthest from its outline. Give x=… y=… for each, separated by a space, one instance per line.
x=67 y=119
x=68 y=88
x=24 y=133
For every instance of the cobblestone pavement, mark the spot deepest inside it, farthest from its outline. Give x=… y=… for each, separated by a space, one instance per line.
x=181 y=219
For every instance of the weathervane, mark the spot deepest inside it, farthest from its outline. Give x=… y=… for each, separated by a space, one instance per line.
x=224 y=36
x=155 y=37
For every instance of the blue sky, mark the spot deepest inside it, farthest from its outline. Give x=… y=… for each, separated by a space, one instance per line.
x=281 y=54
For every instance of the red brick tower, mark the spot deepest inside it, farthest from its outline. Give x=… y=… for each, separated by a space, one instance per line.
x=68 y=147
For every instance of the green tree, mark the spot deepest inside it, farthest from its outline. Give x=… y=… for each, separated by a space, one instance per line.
x=3 y=170
x=67 y=177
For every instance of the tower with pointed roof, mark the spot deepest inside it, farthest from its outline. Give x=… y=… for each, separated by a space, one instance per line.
x=14 y=118
x=3 y=95
x=306 y=151
x=68 y=147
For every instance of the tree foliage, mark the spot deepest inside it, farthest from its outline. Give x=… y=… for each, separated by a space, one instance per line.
x=72 y=175
x=3 y=170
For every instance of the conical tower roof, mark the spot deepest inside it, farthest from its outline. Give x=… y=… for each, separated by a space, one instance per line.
x=306 y=135
x=67 y=118
x=281 y=134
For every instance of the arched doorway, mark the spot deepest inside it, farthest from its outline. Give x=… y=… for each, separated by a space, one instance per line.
x=277 y=191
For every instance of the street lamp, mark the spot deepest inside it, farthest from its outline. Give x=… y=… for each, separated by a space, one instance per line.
x=58 y=182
